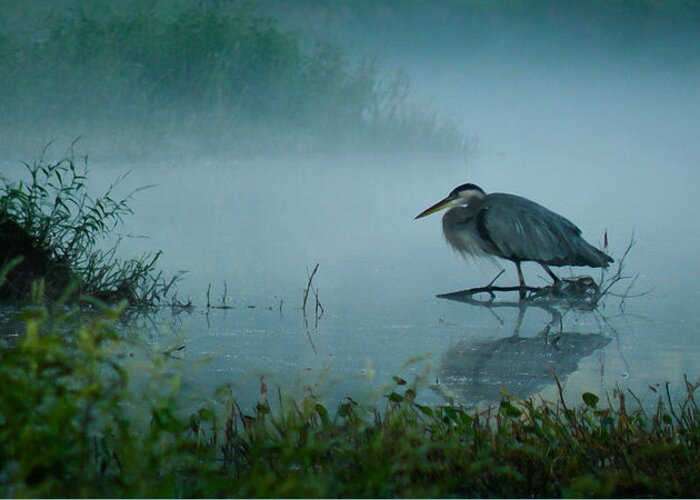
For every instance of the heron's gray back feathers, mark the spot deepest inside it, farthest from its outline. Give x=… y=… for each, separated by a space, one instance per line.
x=518 y=229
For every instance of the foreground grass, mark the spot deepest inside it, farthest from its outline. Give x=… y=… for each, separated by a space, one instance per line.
x=71 y=424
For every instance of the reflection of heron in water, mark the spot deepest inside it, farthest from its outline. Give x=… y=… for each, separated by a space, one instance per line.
x=513 y=228
x=472 y=371
x=467 y=297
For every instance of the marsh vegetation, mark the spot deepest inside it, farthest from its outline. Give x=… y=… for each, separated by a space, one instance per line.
x=72 y=425
x=54 y=239
x=209 y=80
x=80 y=417
x=287 y=163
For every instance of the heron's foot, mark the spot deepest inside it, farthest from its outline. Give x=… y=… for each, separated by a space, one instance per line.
x=555 y=278
x=582 y=290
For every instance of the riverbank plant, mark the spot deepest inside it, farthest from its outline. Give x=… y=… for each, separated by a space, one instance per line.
x=56 y=232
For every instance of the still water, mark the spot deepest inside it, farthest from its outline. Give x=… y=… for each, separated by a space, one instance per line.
x=260 y=227
x=610 y=150
x=610 y=147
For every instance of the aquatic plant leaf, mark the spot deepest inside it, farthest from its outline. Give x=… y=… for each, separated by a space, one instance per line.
x=590 y=399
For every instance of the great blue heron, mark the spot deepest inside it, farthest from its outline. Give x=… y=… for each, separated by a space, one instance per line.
x=513 y=228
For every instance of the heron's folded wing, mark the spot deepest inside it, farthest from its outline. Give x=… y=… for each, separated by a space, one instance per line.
x=520 y=229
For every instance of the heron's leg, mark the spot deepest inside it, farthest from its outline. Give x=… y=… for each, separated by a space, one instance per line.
x=521 y=280
x=554 y=277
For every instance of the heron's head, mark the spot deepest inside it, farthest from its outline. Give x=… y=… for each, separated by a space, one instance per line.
x=459 y=196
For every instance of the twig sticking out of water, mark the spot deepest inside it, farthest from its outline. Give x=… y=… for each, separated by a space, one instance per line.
x=223 y=299
x=497 y=276
x=606 y=284
x=318 y=308
x=318 y=311
x=178 y=306
x=308 y=288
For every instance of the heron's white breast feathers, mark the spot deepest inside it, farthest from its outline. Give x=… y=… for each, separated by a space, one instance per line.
x=461 y=233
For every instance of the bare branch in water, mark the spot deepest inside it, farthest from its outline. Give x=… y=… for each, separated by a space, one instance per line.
x=224 y=295
x=318 y=310
x=308 y=288
x=581 y=292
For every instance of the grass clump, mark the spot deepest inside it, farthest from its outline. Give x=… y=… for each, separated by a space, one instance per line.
x=51 y=227
x=72 y=424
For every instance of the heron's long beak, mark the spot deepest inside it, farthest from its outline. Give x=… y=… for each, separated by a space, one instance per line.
x=444 y=203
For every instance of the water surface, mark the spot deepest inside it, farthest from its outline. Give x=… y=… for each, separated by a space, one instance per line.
x=261 y=226
x=611 y=148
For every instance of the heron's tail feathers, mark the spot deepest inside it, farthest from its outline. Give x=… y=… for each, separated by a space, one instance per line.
x=588 y=255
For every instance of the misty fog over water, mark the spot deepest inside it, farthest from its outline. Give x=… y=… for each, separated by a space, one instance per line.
x=605 y=140
x=610 y=157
